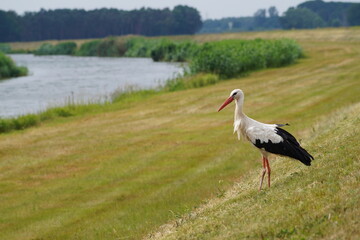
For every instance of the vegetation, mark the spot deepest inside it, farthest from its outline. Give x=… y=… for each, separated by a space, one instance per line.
x=63 y=48
x=309 y=14
x=334 y=14
x=84 y=177
x=5 y=48
x=8 y=68
x=210 y=63
x=158 y=49
x=108 y=47
x=353 y=15
x=230 y=58
x=171 y=51
x=89 y=48
x=31 y=120
x=191 y=81
x=300 y=18
x=262 y=20
x=99 y=23
x=140 y=47
x=320 y=202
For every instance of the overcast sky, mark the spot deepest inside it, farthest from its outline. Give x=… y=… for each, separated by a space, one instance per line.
x=213 y=9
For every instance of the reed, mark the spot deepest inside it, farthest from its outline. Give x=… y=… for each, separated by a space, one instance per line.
x=231 y=58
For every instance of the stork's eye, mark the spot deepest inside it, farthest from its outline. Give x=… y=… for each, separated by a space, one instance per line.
x=234 y=94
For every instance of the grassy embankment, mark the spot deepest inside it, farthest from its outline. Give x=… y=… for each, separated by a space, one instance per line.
x=122 y=173
x=213 y=62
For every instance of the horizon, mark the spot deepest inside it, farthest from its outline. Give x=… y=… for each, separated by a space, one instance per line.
x=206 y=10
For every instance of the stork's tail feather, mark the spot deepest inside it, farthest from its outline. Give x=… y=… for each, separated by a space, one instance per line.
x=303 y=156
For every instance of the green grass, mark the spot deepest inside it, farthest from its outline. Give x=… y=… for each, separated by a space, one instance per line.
x=171 y=158
x=320 y=202
x=213 y=62
x=191 y=81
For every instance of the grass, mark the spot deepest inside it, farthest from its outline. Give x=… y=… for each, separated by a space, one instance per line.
x=171 y=158
x=212 y=63
x=320 y=202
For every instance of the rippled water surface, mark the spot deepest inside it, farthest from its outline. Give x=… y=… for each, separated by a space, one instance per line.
x=54 y=79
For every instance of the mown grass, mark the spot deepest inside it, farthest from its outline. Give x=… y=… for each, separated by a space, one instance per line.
x=119 y=99
x=210 y=64
x=320 y=202
x=122 y=173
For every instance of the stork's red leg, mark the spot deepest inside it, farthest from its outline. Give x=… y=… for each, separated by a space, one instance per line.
x=268 y=170
x=262 y=173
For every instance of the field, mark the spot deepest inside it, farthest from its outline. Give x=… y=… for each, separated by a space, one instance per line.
x=168 y=167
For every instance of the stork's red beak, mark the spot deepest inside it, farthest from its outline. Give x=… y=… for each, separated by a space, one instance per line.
x=229 y=100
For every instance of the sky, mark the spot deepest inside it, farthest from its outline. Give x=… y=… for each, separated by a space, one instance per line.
x=209 y=9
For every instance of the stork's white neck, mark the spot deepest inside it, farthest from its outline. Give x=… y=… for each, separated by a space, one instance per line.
x=239 y=114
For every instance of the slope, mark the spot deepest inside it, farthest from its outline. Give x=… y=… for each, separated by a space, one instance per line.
x=121 y=174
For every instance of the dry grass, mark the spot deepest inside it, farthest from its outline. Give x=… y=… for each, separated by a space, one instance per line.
x=123 y=173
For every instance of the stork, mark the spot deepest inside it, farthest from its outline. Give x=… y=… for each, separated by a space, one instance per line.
x=268 y=138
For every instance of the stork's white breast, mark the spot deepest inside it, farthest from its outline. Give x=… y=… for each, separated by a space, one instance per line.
x=264 y=133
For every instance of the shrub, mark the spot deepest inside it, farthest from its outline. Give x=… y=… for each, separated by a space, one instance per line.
x=140 y=47
x=174 y=51
x=45 y=49
x=230 y=58
x=89 y=48
x=110 y=47
x=8 y=68
x=64 y=48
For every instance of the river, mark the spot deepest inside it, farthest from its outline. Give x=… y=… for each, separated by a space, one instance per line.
x=53 y=80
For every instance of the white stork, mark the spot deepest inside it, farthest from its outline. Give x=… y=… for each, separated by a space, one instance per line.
x=268 y=138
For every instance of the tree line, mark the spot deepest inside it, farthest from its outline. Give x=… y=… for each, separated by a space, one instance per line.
x=99 y=23
x=310 y=14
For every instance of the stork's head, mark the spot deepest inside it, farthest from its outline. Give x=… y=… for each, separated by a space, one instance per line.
x=235 y=94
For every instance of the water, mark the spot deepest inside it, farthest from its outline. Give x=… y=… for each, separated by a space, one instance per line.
x=54 y=79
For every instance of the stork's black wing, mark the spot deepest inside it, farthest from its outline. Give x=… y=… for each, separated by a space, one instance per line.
x=289 y=147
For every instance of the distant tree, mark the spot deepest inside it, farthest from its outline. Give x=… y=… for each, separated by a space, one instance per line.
x=222 y=25
x=9 y=26
x=273 y=12
x=333 y=13
x=259 y=17
x=98 y=23
x=301 y=18
x=187 y=20
x=273 y=21
x=353 y=15
x=259 y=21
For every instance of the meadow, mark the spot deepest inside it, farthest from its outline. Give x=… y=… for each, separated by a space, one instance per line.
x=208 y=64
x=166 y=166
